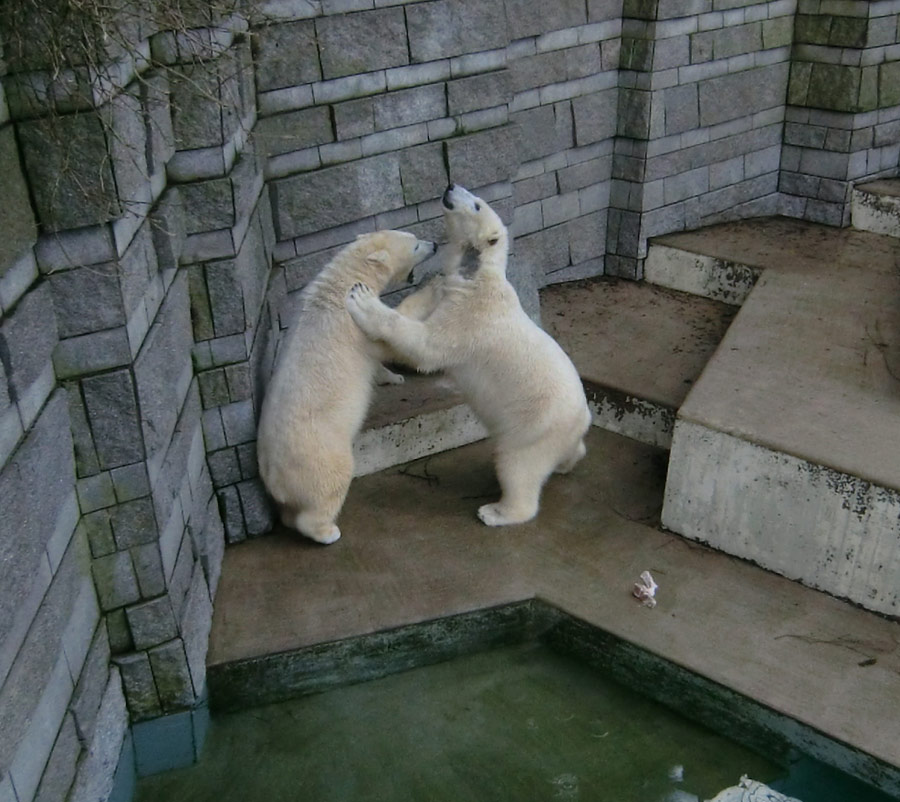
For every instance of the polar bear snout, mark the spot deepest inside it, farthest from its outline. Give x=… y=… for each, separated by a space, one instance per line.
x=457 y=198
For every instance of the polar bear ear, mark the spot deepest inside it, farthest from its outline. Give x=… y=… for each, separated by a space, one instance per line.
x=381 y=257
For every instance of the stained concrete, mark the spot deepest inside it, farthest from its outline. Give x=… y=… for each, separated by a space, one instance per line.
x=786 y=449
x=413 y=550
x=638 y=348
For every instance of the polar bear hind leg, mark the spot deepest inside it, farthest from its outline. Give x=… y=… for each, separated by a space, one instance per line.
x=314 y=514
x=522 y=473
x=572 y=458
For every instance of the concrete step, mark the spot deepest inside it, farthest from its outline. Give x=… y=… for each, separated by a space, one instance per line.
x=787 y=449
x=875 y=207
x=422 y=416
x=417 y=579
x=638 y=348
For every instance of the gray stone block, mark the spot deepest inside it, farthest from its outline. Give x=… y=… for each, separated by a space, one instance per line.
x=173 y=472
x=114 y=418
x=115 y=580
x=226 y=298
x=239 y=421
x=544 y=251
x=208 y=205
x=149 y=570
x=59 y=773
x=167 y=229
x=423 y=172
x=452 y=27
x=134 y=523
x=196 y=623
x=197 y=105
x=140 y=689
x=33 y=485
x=224 y=467
x=350 y=44
x=239 y=379
x=172 y=676
x=682 y=109
x=19 y=230
x=97 y=768
x=119 y=634
x=151 y=622
x=595 y=116
x=158 y=369
x=742 y=94
x=248 y=460
x=95 y=492
x=336 y=195
x=294 y=130
x=213 y=388
x=526 y=18
x=88 y=299
x=544 y=130
x=98 y=531
x=409 y=106
x=130 y=482
x=90 y=353
x=232 y=516
x=181 y=577
x=27 y=338
x=69 y=170
x=539 y=70
x=286 y=55
x=482 y=158
x=126 y=136
x=479 y=92
x=587 y=237
x=258 y=510
x=91 y=683
x=354 y=118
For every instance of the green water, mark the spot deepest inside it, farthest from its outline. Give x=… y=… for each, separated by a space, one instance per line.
x=515 y=724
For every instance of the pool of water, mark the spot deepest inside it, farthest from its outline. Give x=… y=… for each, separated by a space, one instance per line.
x=519 y=723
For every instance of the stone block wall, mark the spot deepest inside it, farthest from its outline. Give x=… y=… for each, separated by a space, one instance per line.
x=162 y=214
x=842 y=123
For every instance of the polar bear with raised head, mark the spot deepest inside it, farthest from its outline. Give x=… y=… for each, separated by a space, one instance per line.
x=514 y=375
x=320 y=390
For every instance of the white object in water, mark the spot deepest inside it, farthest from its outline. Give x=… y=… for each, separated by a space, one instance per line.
x=676 y=773
x=751 y=791
x=645 y=590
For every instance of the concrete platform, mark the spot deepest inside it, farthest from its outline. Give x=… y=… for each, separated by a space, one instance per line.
x=639 y=348
x=875 y=207
x=413 y=551
x=786 y=450
x=422 y=416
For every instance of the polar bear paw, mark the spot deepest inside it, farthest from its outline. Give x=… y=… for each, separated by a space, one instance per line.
x=384 y=376
x=360 y=299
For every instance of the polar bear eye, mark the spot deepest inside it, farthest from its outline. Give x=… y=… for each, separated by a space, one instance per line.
x=477 y=207
x=493 y=241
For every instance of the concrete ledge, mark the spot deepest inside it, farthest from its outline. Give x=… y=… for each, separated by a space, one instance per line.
x=875 y=207
x=697 y=274
x=830 y=530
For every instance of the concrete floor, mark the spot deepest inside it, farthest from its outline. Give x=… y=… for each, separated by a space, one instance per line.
x=647 y=342
x=413 y=550
x=811 y=367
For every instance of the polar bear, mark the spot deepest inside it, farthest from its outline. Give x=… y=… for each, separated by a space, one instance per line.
x=514 y=375
x=320 y=390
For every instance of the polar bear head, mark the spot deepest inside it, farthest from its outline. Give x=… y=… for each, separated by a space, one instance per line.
x=473 y=224
x=393 y=255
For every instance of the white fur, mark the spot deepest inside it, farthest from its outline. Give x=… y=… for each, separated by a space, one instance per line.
x=319 y=394
x=513 y=374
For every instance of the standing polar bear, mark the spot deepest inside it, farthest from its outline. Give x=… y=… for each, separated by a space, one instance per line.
x=320 y=391
x=514 y=375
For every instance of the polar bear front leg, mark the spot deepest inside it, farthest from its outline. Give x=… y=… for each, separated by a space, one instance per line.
x=408 y=338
